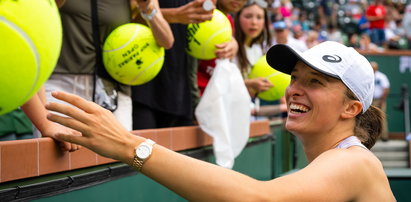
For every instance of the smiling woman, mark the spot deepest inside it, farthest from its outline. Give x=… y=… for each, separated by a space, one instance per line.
x=310 y=96
x=333 y=95
x=316 y=77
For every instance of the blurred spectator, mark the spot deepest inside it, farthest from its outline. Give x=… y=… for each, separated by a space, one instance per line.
x=254 y=39
x=393 y=27
x=407 y=24
x=321 y=29
x=400 y=5
x=302 y=21
x=400 y=31
x=392 y=14
x=366 y=44
x=376 y=14
x=285 y=10
x=353 y=10
x=273 y=6
x=364 y=25
x=393 y=40
x=334 y=34
x=298 y=33
x=312 y=39
x=271 y=109
x=353 y=40
x=327 y=12
x=381 y=91
x=282 y=36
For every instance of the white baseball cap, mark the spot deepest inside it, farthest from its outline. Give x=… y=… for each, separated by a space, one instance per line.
x=333 y=59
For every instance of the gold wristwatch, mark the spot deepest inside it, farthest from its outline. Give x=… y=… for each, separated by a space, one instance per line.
x=141 y=153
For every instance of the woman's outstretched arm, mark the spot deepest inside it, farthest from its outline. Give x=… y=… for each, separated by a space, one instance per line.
x=197 y=180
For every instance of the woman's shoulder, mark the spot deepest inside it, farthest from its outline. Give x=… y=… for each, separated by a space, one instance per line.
x=355 y=164
x=359 y=169
x=354 y=170
x=354 y=157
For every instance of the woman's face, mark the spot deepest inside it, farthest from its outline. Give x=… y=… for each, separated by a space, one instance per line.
x=314 y=100
x=231 y=6
x=252 y=21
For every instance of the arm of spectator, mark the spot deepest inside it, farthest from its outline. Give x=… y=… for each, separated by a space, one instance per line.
x=161 y=29
x=60 y=3
x=192 y=12
x=271 y=110
x=385 y=94
x=374 y=18
x=37 y=113
x=228 y=49
x=257 y=85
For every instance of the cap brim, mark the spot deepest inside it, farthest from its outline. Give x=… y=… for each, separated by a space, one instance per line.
x=284 y=58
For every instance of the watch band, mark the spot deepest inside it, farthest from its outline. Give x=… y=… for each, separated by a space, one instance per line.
x=138 y=162
x=149 y=13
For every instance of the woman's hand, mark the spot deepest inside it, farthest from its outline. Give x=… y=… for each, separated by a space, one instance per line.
x=257 y=85
x=192 y=12
x=100 y=130
x=227 y=50
x=143 y=5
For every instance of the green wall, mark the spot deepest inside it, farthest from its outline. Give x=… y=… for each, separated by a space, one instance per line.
x=255 y=161
x=398 y=71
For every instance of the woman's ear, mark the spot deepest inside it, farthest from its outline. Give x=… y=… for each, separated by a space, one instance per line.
x=352 y=109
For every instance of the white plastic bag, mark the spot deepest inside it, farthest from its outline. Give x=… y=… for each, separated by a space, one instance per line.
x=224 y=112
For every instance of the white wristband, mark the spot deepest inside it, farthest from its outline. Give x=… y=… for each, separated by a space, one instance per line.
x=149 y=16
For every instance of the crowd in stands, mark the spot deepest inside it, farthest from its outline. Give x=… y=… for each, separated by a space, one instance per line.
x=373 y=25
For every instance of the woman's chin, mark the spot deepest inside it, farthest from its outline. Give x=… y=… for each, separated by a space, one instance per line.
x=295 y=126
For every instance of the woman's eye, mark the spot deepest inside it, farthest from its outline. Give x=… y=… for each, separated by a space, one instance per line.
x=316 y=81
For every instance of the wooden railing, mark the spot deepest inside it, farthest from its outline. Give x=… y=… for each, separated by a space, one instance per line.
x=21 y=159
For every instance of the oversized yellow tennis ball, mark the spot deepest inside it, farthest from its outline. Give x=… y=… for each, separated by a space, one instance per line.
x=30 y=43
x=131 y=55
x=202 y=37
x=279 y=80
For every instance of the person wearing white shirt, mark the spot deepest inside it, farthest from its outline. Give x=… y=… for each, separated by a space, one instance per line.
x=381 y=91
x=282 y=36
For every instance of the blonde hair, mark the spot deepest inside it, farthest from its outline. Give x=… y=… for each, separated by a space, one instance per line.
x=368 y=125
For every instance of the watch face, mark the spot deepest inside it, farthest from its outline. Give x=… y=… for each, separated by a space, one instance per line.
x=143 y=151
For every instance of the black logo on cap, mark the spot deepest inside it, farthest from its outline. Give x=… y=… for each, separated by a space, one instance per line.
x=332 y=58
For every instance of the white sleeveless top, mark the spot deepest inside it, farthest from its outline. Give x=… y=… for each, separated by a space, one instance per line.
x=349 y=142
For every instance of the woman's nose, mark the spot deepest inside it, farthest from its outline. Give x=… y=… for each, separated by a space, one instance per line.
x=294 y=89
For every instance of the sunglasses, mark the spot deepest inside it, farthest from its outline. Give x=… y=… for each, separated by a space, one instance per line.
x=261 y=3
